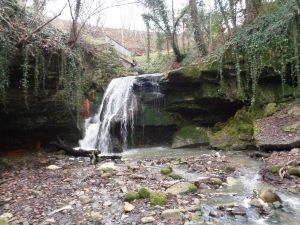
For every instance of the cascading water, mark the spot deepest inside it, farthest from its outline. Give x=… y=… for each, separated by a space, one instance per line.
x=119 y=105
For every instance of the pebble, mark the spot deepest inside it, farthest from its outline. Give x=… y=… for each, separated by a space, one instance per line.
x=148 y=219
x=6 y=216
x=96 y=215
x=53 y=167
x=107 y=203
x=128 y=207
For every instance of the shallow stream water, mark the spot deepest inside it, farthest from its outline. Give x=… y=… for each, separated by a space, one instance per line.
x=247 y=180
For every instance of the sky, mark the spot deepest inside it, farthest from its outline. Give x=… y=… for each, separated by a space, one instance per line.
x=126 y=17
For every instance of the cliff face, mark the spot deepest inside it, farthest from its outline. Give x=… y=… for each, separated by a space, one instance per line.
x=43 y=81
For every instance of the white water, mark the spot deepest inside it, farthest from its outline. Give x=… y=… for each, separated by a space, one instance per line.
x=118 y=104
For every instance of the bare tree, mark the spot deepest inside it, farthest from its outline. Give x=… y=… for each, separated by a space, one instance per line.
x=198 y=34
x=82 y=11
x=39 y=6
x=252 y=9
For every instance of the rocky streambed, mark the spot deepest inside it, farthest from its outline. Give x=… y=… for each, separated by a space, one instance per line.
x=148 y=186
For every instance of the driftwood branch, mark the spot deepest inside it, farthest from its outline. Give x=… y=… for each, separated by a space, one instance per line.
x=93 y=155
x=69 y=150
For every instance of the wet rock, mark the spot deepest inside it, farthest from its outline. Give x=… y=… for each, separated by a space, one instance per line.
x=107 y=175
x=107 y=167
x=147 y=219
x=269 y=196
x=128 y=207
x=215 y=181
x=213 y=213
x=295 y=171
x=53 y=167
x=231 y=181
x=3 y=221
x=6 y=216
x=28 y=209
x=107 y=203
x=95 y=216
x=84 y=199
x=179 y=188
x=49 y=221
x=295 y=151
x=172 y=214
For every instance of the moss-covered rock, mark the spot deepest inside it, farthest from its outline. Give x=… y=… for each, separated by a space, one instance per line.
x=158 y=198
x=294 y=171
x=166 y=170
x=275 y=169
x=190 y=136
x=175 y=176
x=144 y=193
x=270 y=109
x=193 y=188
x=130 y=196
x=6 y=163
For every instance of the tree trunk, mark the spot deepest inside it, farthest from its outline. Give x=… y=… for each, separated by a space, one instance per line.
x=74 y=27
x=232 y=8
x=225 y=18
x=198 y=35
x=252 y=9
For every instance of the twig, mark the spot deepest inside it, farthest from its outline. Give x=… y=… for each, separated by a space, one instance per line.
x=42 y=26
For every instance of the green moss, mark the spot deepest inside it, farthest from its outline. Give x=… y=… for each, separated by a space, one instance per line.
x=6 y=163
x=289 y=129
x=144 y=193
x=130 y=196
x=158 y=198
x=192 y=188
x=166 y=170
x=294 y=171
x=191 y=132
x=175 y=176
x=229 y=169
x=275 y=169
x=270 y=109
x=154 y=117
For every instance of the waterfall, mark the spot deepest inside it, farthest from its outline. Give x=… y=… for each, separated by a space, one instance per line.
x=116 y=112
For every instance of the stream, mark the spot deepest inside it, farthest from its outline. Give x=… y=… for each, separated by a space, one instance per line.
x=247 y=180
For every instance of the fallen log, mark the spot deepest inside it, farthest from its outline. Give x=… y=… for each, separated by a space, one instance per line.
x=69 y=150
x=93 y=155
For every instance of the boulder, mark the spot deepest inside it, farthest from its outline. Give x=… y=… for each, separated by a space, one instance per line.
x=172 y=214
x=179 y=188
x=190 y=136
x=280 y=131
x=269 y=196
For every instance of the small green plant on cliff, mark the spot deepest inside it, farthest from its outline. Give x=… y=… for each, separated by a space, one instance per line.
x=144 y=193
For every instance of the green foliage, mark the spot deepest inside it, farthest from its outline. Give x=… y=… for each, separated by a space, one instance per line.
x=144 y=193
x=158 y=198
x=6 y=163
x=166 y=170
x=130 y=196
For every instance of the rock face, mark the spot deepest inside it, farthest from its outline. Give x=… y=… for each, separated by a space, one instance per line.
x=190 y=137
x=279 y=131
